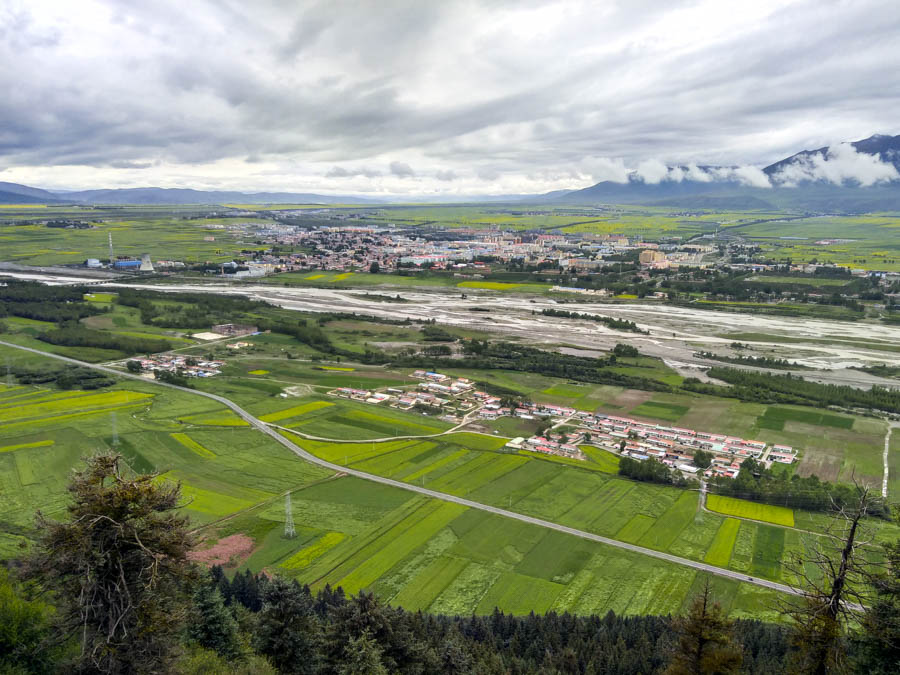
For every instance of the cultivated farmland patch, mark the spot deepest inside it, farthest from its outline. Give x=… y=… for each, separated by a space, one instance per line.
x=730 y=506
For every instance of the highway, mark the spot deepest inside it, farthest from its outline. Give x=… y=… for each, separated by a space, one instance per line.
x=309 y=457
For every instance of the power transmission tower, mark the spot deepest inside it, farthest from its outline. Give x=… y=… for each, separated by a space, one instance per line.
x=289 y=531
x=115 y=431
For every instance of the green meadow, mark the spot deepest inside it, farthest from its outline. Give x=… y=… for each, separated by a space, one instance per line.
x=410 y=550
x=184 y=233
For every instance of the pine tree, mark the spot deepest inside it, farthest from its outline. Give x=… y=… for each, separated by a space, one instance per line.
x=288 y=631
x=361 y=656
x=211 y=625
x=117 y=567
x=705 y=642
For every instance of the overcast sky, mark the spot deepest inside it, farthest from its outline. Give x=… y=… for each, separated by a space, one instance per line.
x=431 y=97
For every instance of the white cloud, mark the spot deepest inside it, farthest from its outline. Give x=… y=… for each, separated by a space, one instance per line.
x=840 y=165
x=696 y=174
x=603 y=168
x=652 y=171
x=752 y=176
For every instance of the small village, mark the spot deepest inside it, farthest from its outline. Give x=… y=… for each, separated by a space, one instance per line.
x=186 y=366
x=458 y=401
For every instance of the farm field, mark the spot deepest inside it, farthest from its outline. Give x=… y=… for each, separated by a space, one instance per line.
x=588 y=496
x=146 y=229
x=832 y=446
x=411 y=550
x=334 y=417
x=421 y=554
x=768 y=513
x=871 y=240
x=44 y=433
x=119 y=320
x=342 y=524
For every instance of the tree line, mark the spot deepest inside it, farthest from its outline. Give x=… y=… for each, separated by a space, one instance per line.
x=64 y=377
x=189 y=310
x=788 y=388
x=652 y=471
x=757 y=361
x=31 y=300
x=761 y=484
x=485 y=355
x=78 y=336
x=611 y=322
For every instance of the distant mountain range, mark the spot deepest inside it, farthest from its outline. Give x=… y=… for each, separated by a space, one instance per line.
x=13 y=193
x=859 y=176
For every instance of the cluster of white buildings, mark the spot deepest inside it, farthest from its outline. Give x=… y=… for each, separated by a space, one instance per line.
x=563 y=445
x=363 y=395
x=675 y=446
x=188 y=366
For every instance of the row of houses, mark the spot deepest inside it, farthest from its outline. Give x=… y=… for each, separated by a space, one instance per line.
x=363 y=395
x=675 y=446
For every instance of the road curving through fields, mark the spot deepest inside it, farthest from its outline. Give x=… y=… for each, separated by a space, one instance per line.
x=306 y=455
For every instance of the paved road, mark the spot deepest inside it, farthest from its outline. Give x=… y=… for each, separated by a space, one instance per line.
x=300 y=452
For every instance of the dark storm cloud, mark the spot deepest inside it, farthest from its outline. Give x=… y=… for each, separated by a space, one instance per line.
x=553 y=92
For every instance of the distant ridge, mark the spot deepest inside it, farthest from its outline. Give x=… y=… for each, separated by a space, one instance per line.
x=170 y=196
x=704 y=187
x=14 y=193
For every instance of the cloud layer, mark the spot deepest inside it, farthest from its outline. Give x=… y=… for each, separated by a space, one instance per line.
x=840 y=165
x=462 y=96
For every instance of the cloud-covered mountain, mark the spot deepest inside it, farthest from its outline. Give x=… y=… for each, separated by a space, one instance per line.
x=862 y=163
x=862 y=175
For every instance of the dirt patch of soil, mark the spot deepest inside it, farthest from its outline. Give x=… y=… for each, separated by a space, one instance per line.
x=631 y=398
x=480 y=428
x=230 y=550
x=824 y=466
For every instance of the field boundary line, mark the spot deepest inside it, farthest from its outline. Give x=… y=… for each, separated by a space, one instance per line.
x=306 y=455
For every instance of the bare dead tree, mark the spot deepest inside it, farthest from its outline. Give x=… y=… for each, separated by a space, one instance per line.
x=832 y=576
